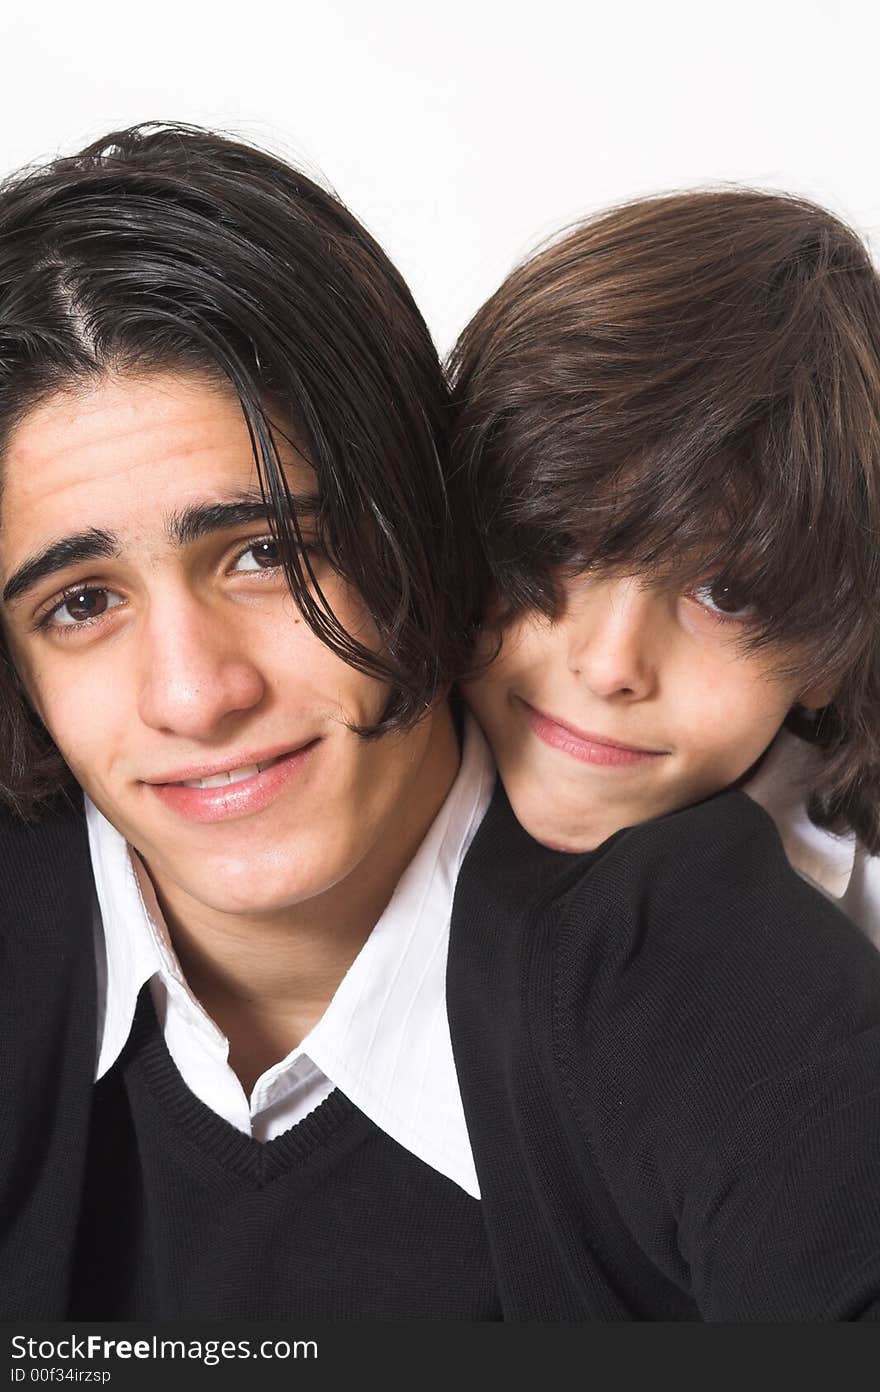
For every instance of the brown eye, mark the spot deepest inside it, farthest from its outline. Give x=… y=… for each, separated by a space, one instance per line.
x=260 y=555
x=723 y=600
x=81 y=605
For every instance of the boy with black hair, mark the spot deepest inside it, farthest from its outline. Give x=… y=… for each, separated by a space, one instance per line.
x=233 y=600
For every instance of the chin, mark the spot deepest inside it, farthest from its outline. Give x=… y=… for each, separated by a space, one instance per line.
x=251 y=887
x=570 y=844
x=556 y=835
x=255 y=899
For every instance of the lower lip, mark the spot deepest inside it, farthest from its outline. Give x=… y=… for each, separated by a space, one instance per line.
x=234 y=800
x=586 y=751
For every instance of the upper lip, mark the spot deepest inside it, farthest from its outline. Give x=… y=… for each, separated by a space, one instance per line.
x=589 y=737
x=187 y=772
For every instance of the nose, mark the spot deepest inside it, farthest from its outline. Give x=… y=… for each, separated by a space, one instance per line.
x=195 y=671
x=614 y=630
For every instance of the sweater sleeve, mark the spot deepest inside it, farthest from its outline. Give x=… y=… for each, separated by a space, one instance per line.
x=717 y=1034
x=47 y=1056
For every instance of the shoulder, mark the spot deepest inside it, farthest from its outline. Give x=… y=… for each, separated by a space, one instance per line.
x=696 y=907
x=703 y=872
x=704 y=1024
x=692 y=968
x=725 y=829
x=700 y=870
x=722 y=834
x=706 y=901
x=44 y=866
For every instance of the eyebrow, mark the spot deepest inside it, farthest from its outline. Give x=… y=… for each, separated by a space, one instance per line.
x=84 y=546
x=183 y=527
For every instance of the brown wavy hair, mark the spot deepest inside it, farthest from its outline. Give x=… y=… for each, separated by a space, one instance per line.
x=690 y=385
x=171 y=246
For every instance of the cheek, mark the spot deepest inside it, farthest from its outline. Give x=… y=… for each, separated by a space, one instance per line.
x=88 y=734
x=517 y=668
x=480 y=698
x=82 y=717
x=310 y=674
x=362 y=697
x=730 y=717
x=54 y=698
x=488 y=695
x=505 y=658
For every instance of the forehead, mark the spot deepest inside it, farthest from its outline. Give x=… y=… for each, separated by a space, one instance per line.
x=121 y=456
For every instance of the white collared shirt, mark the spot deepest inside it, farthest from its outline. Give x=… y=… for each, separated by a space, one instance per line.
x=384 y=1037
x=838 y=866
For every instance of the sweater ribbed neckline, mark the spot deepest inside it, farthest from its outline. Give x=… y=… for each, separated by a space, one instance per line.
x=336 y=1124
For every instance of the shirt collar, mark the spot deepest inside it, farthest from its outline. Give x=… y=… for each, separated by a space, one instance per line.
x=780 y=786
x=128 y=934
x=384 y=1038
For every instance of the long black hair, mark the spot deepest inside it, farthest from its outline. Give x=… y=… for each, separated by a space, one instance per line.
x=170 y=246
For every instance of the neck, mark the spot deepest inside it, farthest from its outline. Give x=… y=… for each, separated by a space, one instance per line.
x=267 y=979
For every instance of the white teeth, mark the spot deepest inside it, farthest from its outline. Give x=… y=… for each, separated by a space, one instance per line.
x=248 y=772
x=219 y=780
x=216 y=780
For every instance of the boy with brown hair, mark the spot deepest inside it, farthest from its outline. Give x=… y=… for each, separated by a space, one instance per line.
x=685 y=390
x=669 y=424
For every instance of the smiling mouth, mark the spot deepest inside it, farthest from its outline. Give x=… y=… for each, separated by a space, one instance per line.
x=215 y=777
x=231 y=794
x=600 y=751
x=222 y=780
x=585 y=737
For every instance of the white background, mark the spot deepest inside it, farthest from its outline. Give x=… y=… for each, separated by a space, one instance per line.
x=462 y=133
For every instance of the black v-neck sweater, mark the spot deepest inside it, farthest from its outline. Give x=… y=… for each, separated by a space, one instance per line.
x=669 y=1054
x=131 y=1199
x=183 y=1215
